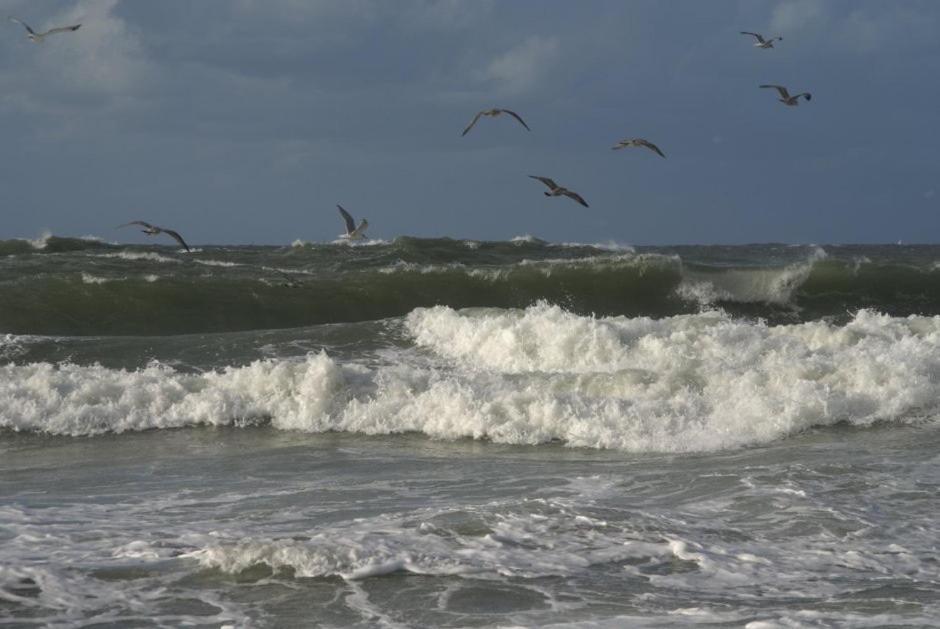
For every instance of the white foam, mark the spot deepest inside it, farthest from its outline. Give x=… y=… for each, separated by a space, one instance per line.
x=525 y=238
x=546 y=267
x=610 y=245
x=88 y=278
x=508 y=543
x=150 y=256
x=687 y=383
x=217 y=263
x=74 y=400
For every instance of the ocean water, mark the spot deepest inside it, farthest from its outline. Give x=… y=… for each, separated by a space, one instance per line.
x=451 y=433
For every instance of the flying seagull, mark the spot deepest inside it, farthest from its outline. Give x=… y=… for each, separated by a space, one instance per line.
x=638 y=142
x=761 y=42
x=153 y=230
x=493 y=113
x=352 y=232
x=38 y=37
x=557 y=191
x=786 y=99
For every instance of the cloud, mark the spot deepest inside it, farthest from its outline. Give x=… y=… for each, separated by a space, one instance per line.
x=521 y=68
x=876 y=27
x=100 y=67
x=795 y=15
x=864 y=28
x=107 y=57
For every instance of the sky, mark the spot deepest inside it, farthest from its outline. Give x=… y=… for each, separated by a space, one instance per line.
x=247 y=121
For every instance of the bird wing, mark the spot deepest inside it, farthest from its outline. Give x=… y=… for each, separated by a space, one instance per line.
x=61 y=29
x=781 y=89
x=24 y=25
x=472 y=122
x=805 y=95
x=760 y=39
x=548 y=182
x=175 y=236
x=348 y=219
x=517 y=117
x=576 y=197
x=650 y=146
x=141 y=223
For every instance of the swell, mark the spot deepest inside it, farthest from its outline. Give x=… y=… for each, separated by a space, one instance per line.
x=219 y=302
x=51 y=244
x=110 y=290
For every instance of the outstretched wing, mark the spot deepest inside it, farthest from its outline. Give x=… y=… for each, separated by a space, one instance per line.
x=175 y=237
x=548 y=182
x=472 y=122
x=24 y=25
x=347 y=217
x=62 y=29
x=577 y=197
x=760 y=39
x=781 y=89
x=141 y=223
x=517 y=117
x=650 y=146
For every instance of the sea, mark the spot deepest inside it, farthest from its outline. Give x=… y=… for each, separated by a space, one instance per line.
x=458 y=433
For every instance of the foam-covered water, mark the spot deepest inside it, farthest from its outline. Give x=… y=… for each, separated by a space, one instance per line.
x=453 y=433
x=702 y=382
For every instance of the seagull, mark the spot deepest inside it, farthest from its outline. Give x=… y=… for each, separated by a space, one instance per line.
x=558 y=191
x=638 y=142
x=493 y=113
x=153 y=230
x=38 y=37
x=761 y=42
x=352 y=232
x=786 y=99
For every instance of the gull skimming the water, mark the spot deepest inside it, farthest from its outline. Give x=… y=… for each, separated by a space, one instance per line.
x=761 y=42
x=493 y=113
x=638 y=142
x=352 y=232
x=786 y=99
x=38 y=37
x=557 y=191
x=153 y=230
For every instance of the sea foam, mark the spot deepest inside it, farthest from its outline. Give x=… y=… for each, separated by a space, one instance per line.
x=686 y=383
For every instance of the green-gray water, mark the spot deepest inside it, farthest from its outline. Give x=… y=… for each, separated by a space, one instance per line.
x=452 y=433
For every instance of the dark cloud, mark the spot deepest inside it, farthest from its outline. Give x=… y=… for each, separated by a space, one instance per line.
x=259 y=115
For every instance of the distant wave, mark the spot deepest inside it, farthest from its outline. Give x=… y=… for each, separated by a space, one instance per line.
x=93 y=288
x=47 y=243
x=678 y=384
x=709 y=286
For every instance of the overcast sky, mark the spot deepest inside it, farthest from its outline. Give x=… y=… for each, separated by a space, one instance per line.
x=246 y=121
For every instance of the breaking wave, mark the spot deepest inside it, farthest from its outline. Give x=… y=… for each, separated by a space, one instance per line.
x=679 y=384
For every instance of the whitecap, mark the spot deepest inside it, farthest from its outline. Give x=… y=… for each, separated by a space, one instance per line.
x=149 y=256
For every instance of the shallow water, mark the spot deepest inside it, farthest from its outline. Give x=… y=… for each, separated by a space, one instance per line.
x=255 y=527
